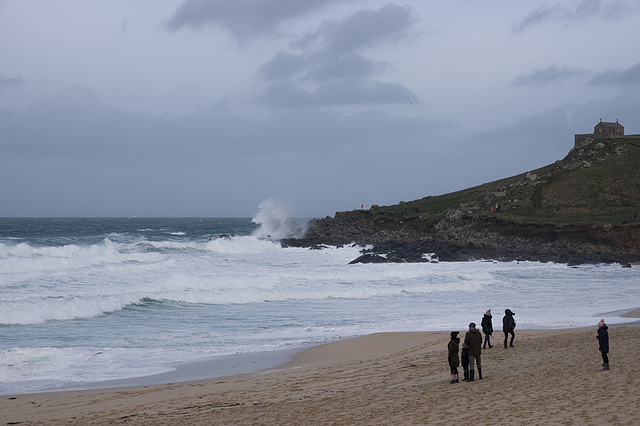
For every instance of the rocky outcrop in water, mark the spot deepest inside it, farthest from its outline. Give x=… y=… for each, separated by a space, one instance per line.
x=465 y=239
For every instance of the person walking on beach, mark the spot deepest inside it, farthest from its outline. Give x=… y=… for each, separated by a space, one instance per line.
x=464 y=360
x=487 y=329
x=454 y=360
x=603 y=343
x=473 y=339
x=508 y=324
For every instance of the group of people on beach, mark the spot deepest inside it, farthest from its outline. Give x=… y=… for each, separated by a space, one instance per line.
x=473 y=345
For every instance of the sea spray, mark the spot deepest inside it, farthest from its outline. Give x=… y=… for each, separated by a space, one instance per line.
x=275 y=223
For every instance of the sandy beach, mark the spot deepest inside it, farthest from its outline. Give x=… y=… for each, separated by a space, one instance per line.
x=549 y=377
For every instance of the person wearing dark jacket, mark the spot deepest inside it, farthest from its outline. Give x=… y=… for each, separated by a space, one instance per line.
x=508 y=324
x=487 y=329
x=464 y=360
x=603 y=344
x=473 y=339
x=454 y=361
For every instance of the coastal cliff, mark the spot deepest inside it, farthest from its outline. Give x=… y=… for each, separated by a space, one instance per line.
x=581 y=209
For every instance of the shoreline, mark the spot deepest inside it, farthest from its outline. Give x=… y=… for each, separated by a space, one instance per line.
x=208 y=369
x=257 y=362
x=550 y=375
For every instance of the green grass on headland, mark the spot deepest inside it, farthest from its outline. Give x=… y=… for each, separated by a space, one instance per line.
x=596 y=184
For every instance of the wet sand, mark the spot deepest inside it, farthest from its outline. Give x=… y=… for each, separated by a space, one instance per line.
x=550 y=376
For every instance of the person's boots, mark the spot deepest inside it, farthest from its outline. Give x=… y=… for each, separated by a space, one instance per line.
x=479 y=373
x=490 y=345
x=605 y=367
x=466 y=375
x=471 y=374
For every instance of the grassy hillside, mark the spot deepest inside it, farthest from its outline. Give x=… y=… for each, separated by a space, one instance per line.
x=598 y=183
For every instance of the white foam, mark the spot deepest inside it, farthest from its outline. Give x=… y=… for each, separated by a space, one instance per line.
x=36 y=369
x=40 y=310
x=242 y=245
x=275 y=222
x=180 y=299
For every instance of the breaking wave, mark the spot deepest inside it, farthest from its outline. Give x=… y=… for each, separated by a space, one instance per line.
x=275 y=223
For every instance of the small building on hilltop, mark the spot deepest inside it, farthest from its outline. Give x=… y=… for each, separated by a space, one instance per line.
x=602 y=130
x=608 y=130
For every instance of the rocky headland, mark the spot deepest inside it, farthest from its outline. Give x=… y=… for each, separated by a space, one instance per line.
x=581 y=209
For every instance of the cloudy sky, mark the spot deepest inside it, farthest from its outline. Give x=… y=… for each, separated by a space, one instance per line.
x=208 y=108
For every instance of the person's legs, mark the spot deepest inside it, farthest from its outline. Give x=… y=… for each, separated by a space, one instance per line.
x=513 y=335
x=479 y=367
x=506 y=334
x=472 y=360
x=605 y=361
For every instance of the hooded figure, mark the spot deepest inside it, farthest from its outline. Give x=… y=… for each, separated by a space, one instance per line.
x=487 y=329
x=603 y=343
x=473 y=339
x=454 y=361
x=508 y=324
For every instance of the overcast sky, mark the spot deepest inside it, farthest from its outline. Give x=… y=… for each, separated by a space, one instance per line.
x=208 y=108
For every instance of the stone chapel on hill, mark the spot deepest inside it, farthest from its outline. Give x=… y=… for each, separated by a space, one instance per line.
x=602 y=130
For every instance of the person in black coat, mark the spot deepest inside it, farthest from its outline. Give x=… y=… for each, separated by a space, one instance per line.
x=464 y=360
x=487 y=329
x=603 y=343
x=508 y=324
x=453 y=358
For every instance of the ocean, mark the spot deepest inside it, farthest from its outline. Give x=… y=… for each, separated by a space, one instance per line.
x=97 y=300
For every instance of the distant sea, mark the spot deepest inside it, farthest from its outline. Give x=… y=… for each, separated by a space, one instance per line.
x=86 y=300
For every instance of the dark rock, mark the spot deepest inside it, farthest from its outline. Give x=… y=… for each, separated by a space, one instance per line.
x=392 y=240
x=370 y=258
x=317 y=247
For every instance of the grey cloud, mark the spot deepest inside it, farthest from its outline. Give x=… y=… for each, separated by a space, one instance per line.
x=550 y=75
x=319 y=65
x=331 y=61
x=242 y=18
x=336 y=93
x=368 y=27
x=350 y=66
x=283 y=65
x=74 y=155
x=586 y=9
x=618 y=77
x=74 y=124
x=539 y=16
x=10 y=82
